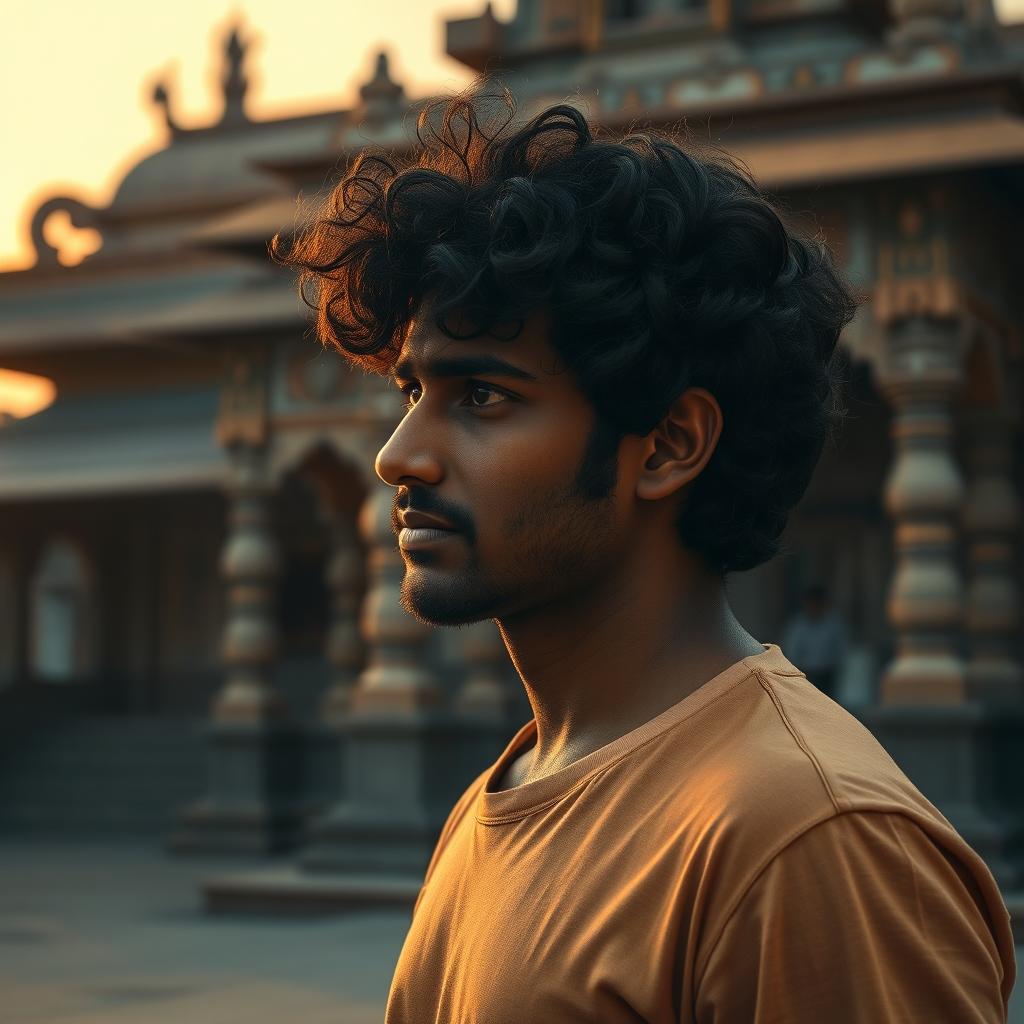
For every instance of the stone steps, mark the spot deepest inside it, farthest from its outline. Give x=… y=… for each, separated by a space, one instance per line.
x=109 y=774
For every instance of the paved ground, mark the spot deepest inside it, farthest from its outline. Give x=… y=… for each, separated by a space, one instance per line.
x=109 y=933
x=112 y=933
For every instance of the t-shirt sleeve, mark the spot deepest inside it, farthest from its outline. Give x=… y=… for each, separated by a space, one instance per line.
x=863 y=918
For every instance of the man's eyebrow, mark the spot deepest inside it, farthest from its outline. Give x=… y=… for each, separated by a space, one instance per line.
x=462 y=366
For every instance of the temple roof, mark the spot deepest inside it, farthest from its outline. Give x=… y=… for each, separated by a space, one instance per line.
x=210 y=167
x=65 y=309
x=844 y=99
x=105 y=443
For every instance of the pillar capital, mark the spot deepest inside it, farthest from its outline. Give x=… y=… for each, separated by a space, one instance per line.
x=922 y=21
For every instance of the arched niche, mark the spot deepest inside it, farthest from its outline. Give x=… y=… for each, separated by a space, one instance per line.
x=9 y=612
x=62 y=602
x=339 y=478
x=318 y=497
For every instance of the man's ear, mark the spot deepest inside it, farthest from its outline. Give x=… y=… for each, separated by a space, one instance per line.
x=678 y=449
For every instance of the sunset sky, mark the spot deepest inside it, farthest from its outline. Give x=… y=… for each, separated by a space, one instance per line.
x=76 y=79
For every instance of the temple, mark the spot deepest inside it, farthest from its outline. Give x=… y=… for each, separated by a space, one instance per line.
x=199 y=626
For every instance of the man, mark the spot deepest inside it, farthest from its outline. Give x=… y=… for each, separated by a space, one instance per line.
x=815 y=639
x=618 y=366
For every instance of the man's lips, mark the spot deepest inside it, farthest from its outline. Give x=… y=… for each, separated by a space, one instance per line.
x=421 y=520
x=417 y=537
x=423 y=530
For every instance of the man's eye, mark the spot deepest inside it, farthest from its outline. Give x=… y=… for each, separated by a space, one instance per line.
x=491 y=391
x=475 y=386
x=406 y=389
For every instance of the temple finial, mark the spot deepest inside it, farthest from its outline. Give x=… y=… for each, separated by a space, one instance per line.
x=382 y=97
x=235 y=82
x=162 y=98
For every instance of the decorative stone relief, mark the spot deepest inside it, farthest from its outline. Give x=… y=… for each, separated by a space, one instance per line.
x=244 y=398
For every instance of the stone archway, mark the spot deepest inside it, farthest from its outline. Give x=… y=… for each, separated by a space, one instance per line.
x=319 y=495
x=62 y=614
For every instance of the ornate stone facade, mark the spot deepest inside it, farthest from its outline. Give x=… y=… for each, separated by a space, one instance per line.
x=895 y=129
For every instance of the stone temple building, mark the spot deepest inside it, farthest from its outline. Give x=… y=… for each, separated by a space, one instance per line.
x=199 y=626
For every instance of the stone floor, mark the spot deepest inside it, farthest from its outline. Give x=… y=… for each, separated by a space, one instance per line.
x=112 y=932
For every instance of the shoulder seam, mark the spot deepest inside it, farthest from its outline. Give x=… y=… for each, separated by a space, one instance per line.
x=741 y=894
x=773 y=696
x=786 y=842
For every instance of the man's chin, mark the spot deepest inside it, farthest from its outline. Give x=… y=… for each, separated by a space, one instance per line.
x=443 y=607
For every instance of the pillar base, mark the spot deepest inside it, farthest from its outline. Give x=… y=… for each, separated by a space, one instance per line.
x=404 y=773
x=325 y=764
x=966 y=759
x=924 y=678
x=290 y=892
x=254 y=801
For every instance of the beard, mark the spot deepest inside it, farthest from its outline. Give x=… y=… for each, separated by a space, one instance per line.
x=554 y=545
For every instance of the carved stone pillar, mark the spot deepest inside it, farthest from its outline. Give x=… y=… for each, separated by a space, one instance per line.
x=924 y=494
x=483 y=691
x=991 y=525
x=961 y=753
x=402 y=745
x=396 y=675
x=346 y=652
x=253 y=799
x=250 y=566
x=486 y=704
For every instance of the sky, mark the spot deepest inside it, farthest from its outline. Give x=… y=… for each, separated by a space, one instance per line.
x=76 y=79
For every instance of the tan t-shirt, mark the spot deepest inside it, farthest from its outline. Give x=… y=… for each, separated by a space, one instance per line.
x=750 y=855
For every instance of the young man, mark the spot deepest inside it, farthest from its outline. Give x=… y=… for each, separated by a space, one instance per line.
x=619 y=371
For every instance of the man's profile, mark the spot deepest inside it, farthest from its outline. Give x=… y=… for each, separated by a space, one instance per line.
x=619 y=369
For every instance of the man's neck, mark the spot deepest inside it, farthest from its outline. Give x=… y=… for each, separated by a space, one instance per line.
x=618 y=655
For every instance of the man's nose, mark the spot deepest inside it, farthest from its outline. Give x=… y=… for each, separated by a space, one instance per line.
x=407 y=456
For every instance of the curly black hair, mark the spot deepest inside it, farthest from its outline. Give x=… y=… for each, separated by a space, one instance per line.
x=660 y=262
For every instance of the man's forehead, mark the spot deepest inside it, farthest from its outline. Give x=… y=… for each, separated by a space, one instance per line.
x=425 y=343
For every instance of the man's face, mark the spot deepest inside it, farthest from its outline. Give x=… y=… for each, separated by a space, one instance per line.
x=513 y=463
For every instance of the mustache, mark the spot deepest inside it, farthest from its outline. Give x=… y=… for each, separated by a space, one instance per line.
x=420 y=500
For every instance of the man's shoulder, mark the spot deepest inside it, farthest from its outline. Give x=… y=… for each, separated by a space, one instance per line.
x=786 y=757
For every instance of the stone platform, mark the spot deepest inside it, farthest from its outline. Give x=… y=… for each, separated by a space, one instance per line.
x=290 y=891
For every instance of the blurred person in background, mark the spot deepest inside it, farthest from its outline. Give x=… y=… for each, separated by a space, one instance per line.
x=816 y=640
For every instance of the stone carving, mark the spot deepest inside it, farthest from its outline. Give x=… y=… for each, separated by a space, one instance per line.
x=244 y=399
x=317 y=376
x=235 y=83
x=922 y=21
x=82 y=216
x=382 y=98
x=162 y=99
x=914 y=276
